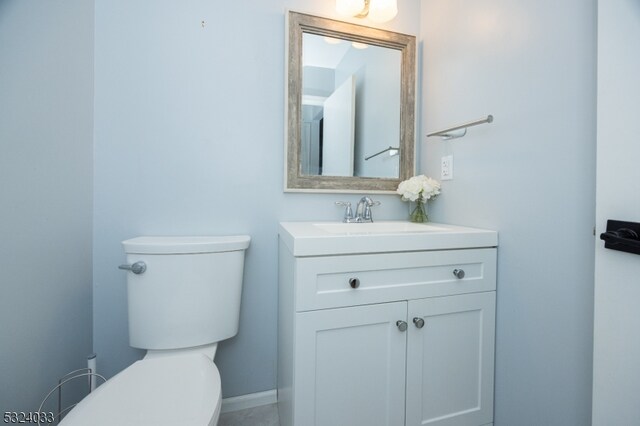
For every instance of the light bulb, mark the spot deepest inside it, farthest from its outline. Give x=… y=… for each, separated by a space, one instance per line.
x=332 y=40
x=382 y=10
x=349 y=7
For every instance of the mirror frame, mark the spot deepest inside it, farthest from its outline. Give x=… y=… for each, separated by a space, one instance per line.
x=300 y=23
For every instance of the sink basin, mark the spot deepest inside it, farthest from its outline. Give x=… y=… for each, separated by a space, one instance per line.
x=331 y=238
x=389 y=227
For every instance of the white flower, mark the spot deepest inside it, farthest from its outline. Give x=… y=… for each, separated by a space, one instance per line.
x=418 y=186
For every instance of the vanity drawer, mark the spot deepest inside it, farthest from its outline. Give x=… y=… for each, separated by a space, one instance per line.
x=329 y=281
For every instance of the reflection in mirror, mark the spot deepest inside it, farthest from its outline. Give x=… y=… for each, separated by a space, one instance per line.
x=350 y=108
x=351 y=103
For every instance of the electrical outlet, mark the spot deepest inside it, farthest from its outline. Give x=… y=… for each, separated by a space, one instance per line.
x=446 y=167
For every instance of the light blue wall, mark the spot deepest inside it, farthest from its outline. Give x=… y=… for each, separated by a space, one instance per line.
x=189 y=136
x=531 y=176
x=46 y=119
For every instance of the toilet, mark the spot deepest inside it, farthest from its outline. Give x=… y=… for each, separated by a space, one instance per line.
x=184 y=297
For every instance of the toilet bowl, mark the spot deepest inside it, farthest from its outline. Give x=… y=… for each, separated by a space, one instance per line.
x=183 y=301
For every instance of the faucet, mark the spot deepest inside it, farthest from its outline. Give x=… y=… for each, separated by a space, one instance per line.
x=363 y=210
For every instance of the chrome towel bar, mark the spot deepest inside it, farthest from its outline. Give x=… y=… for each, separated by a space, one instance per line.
x=446 y=133
x=381 y=152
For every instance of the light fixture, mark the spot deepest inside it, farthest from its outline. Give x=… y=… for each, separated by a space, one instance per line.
x=383 y=10
x=357 y=45
x=332 y=40
x=351 y=7
x=376 y=10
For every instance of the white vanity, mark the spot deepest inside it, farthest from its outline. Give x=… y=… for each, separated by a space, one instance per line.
x=386 y=323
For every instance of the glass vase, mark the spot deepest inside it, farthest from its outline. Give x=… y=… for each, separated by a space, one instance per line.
x=419 y=213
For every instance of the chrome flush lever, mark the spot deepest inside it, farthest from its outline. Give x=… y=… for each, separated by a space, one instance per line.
x=136 y=268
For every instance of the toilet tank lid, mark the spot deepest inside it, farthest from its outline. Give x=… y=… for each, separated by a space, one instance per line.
x=183 y=245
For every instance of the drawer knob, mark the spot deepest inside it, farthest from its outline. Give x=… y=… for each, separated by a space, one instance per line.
x=459 y=273
x=402 y=325
x=419 y=322
x=354 y=282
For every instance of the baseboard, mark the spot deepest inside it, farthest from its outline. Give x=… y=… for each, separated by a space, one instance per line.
x=250 y=400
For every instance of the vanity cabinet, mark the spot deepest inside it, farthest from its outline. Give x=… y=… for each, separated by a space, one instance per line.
x=398 y=338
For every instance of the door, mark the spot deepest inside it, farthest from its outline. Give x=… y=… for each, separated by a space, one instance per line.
x=350 y=366
x=616 y=339
x=339 y=129
x=450 y=360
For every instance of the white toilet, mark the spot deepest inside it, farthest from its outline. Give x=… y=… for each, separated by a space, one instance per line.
x=184 y=297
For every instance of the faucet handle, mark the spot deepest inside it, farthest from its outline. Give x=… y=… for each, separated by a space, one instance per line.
x=367 y=209
x=367 y=201
x=348 y=213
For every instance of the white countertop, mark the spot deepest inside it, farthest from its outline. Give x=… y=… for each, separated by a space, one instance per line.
x=327 y=238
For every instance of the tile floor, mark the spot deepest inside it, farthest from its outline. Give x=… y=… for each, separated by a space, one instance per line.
x=265 y=415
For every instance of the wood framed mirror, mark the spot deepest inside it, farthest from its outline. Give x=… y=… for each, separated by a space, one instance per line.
x=350 y=123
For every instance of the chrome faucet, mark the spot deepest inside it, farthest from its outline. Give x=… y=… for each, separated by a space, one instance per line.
x=363 y=210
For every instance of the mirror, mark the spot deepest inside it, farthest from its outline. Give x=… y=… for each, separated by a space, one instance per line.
x=351 y=107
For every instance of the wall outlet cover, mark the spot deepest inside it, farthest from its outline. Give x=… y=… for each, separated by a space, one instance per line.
x=446 y=167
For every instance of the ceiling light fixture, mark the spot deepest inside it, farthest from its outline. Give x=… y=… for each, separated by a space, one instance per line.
x=332 y=40
x=376 y=10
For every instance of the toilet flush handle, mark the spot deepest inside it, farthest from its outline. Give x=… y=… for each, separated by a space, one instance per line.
x=136 y=268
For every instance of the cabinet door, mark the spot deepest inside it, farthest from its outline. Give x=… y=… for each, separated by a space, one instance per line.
x=450 y=360
x=350 y=366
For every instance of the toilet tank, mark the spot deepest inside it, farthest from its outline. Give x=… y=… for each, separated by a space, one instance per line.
x=189 y=294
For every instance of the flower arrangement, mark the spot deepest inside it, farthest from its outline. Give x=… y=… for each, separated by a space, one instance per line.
x=419 y=189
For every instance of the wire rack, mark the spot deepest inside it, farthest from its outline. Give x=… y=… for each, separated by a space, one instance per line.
x=73 y=375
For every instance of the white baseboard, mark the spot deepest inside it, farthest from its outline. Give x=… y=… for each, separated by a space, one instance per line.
x=250 y=400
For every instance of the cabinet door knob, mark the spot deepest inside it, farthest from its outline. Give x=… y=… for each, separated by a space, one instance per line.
x=402 y=325
x=459 y=273
x=419 y=322
x=354 y=282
